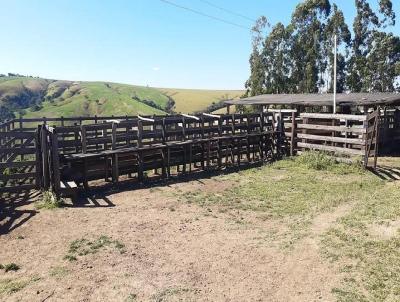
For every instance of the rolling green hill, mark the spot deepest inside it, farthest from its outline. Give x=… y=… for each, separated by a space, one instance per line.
x=36 y=97
x=192 y=100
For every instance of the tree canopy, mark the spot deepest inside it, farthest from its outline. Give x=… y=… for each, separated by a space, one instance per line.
x=299 y=57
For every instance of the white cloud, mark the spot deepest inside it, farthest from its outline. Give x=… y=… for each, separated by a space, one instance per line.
x=156 y=68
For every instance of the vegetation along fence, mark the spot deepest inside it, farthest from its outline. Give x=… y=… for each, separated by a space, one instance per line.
x=342 y=134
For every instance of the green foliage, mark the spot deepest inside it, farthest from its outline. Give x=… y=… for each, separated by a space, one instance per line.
x=58 y=272
x=289 y=187
x=49 y=201
x=255 y=84
x=11 y=267
x=9 y=286
x=131 y=298
x=368 y=259
x=299 y=57
x=83 y=246
x=322 y=161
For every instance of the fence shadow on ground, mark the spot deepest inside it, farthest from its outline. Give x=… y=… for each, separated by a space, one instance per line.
x=11 y=214
x=98 y=196
x=387 y=173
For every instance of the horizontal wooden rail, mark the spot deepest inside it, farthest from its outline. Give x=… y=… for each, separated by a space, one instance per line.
x=348 y=117
x=332 y=128
x=339 y=150
x=335 y=139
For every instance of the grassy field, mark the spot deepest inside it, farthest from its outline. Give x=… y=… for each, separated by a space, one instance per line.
x=363 y=241
x=192 y=100
x=41 y=97
x=94 y=98
x=300 y=229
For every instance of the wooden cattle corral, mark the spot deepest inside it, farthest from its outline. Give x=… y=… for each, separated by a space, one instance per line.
x=65 y=153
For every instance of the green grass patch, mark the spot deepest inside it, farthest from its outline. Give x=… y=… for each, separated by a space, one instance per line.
x=289 y=188
x=58 y=272
x=11 y=286
x=10 y=267
x=369 y=261
x=172 y=293
x=83 y=246
x=364 y=243
x=192 y=100
x=49 y=201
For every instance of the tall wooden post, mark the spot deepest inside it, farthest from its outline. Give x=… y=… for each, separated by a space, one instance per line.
x=45 y=158
x=293 y=137
x=55 y=162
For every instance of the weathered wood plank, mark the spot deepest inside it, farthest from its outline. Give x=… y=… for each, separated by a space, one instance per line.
x=350 y=117
x=332 y=128
x=354 y=141
x=330 y=148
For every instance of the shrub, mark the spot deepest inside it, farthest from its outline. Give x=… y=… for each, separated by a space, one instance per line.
x=49 y=201
x=83 y=246
x=322 y=161
x=11 y=267
x=316 y=160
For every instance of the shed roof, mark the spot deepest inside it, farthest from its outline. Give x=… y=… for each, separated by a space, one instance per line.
x=342 y=99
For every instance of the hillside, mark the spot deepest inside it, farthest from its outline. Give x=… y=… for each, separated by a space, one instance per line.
x=192 y=100
x=36 y=97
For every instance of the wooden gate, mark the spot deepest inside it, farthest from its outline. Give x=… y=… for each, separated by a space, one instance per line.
x=344 y=135
x=19 y=158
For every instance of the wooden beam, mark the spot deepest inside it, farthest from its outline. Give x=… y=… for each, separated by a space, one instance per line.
x=331 y=149
x=332 y=128
x=212 y=115
x=334 y=116
x=354 y=141
x=191 y=116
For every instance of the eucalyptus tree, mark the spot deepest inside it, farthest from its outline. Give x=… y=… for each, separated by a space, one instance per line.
x=277 y=60
x=256 y=83
x=336 y=26
x=367 y=47
x=308 y=24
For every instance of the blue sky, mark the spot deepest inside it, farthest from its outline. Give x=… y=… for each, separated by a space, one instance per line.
x=143 y=42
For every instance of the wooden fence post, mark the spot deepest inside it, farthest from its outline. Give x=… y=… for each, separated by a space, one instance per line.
x=55 y=162
x=293 y=137
x=45 y=158
x=38 y=158
x=140 y=153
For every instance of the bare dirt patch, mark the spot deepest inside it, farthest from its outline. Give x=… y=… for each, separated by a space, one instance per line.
x=173 y=251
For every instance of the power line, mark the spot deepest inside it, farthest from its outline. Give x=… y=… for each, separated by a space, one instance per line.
x=205 y=15
x=228 y=11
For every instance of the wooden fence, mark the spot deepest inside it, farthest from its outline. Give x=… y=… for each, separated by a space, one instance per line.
x=19 y=161
x=135 y=147
x=58 y=153
x=341 y=134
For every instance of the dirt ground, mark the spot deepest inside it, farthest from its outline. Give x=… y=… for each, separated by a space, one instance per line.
x=174 y=251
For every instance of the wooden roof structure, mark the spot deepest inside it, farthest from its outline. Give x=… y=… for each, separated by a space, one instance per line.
x=317 y=99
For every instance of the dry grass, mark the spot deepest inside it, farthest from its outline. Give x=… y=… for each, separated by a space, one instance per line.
x=192 y=100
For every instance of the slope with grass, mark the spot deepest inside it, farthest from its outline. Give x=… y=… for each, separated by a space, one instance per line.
x=96 y=98
x=36 y=97
x=193 y=100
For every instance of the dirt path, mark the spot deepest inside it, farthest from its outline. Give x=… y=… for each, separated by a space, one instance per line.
x=174 y=252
